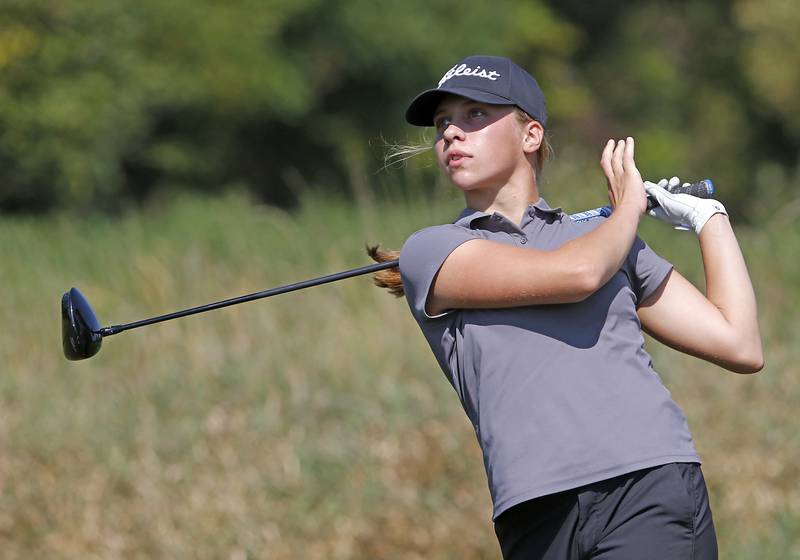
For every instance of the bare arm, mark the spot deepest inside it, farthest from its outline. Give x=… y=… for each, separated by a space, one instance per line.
x=722 y=326
x=486 y=274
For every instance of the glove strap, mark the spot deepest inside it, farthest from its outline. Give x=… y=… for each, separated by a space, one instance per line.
x=703 y=213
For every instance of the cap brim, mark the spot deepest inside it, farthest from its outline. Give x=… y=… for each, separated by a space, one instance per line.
x=420 y=111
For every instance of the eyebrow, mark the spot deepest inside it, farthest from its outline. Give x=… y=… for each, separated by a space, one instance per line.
x=465 y=103
x=438 y=113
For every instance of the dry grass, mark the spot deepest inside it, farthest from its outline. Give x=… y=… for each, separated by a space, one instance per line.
x=315 y=424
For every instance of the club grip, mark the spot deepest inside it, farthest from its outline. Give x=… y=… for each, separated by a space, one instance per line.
x=700 y=189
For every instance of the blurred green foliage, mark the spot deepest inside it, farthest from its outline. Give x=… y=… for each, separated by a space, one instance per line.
x=105 y=104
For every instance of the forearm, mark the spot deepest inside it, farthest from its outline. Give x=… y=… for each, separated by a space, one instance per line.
x=728 y=285
x=482 y=274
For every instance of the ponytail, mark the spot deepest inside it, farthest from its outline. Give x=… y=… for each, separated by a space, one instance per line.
x=388 y=278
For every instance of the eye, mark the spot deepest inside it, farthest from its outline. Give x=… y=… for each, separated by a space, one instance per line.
x=442 y=123
x=476 y=112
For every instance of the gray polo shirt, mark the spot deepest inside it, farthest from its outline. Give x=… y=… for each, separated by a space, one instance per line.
x=559 y=395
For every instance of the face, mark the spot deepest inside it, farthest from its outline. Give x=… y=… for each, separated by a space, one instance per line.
x=478 y=145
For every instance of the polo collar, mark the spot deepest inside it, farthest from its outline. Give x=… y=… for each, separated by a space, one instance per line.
x=468 y=215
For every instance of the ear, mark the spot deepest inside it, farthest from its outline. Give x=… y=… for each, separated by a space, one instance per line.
x=534 y=135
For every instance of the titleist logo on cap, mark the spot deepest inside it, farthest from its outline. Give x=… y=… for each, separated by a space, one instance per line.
x=464 y=70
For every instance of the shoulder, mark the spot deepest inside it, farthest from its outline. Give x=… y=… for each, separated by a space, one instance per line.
x=425 y=250
x=439 y=230
x=422 y=255
x=442 y=234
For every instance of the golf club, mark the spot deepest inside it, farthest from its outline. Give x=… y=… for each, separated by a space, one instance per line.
x=82 y=336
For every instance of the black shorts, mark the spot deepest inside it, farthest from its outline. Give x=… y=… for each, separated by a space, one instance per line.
x=657 y=513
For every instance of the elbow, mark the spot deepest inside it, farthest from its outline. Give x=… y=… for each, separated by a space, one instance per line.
x=585 y=279
x=753 y=364
x=747 y=360
x=577 y=277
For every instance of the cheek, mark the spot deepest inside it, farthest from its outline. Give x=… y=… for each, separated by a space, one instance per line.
x=438 y=149
x=500 y=149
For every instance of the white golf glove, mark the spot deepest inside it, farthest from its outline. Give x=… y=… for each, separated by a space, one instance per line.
x=683 y=211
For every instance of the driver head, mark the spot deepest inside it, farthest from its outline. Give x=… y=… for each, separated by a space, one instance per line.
x=80 y=329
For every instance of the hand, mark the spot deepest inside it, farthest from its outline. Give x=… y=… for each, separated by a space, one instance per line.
x=683 y=211
x=658 y=212
x=624 y=180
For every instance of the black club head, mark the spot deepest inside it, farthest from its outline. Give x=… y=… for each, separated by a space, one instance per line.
x=80 y=329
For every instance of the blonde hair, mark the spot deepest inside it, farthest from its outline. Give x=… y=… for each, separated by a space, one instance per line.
x=396 y=154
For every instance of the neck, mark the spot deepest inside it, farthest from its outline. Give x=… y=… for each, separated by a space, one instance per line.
x=510 y=199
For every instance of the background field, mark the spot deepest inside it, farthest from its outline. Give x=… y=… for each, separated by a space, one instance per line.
x=314 y=424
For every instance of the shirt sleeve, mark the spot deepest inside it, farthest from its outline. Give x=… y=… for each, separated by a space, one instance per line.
x=647 y=270
x=421 y=257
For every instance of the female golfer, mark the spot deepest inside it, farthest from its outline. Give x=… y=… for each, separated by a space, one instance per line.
x=536 y=321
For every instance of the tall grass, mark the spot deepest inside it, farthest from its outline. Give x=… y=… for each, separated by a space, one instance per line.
x=315 y=424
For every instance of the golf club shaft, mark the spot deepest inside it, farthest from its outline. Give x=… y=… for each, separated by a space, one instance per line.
x=703 y=189
x=114 y=329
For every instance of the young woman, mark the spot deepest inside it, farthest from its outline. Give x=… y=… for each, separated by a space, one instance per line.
x=536 y=321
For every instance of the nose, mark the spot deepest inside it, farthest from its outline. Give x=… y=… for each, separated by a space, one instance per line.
x=452 y=132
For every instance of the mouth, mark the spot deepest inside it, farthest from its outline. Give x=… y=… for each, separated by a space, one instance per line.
x=456 y=159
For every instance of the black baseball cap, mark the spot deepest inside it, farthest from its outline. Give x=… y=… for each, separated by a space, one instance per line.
x=488 y=79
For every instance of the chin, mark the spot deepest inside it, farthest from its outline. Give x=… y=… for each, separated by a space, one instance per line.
x=463 y=181
x=466 y=185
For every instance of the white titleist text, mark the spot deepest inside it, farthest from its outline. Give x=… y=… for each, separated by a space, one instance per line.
x=464 y=70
